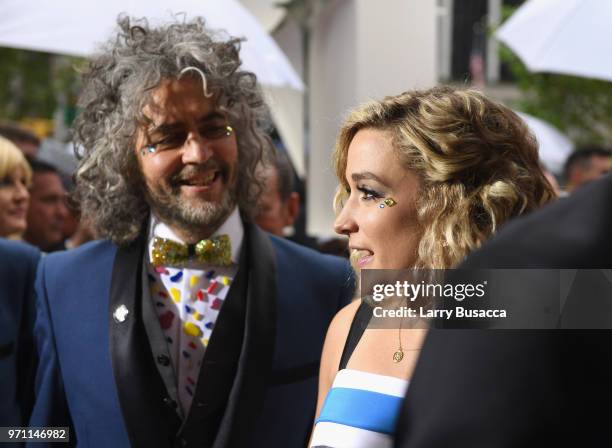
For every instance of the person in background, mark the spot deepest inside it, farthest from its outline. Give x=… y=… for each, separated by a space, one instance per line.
x=586 y=164
x=83 y=233
x=25 y=140
x=18 y=263
x=552 y=180
x=76 y=231
x=48 y=210
x=186 y=324
x=279 y=204
x=15 y=179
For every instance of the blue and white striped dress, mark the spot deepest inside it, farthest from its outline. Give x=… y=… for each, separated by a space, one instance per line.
x=360 y=410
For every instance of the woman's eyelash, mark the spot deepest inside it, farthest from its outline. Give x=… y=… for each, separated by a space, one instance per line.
x=369 y=194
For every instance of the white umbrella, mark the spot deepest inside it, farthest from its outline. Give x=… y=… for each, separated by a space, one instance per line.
x=267 y=12
x=77 y=27
x=562 y=36
x=553 y=144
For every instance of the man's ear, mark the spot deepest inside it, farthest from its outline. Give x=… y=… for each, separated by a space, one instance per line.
x=292 y=207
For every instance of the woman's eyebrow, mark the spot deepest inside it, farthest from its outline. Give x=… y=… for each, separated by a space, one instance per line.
x=367 y=175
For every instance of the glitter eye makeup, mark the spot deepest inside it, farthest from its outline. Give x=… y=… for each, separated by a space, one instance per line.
x=388 y=202
x=149 y=149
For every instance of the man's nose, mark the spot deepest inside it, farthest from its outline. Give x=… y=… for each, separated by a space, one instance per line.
x=64 y=211
x=61 y=208
x=197 y=150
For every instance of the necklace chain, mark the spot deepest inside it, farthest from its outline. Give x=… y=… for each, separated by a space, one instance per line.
x=399 y=353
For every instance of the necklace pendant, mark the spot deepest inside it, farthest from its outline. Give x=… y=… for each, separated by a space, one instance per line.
x=398 y=356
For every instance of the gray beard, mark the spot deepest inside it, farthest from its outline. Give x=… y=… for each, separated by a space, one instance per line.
x=198 y=221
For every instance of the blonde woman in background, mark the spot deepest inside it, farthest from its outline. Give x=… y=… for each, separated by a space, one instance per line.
x=15 y=179
x=425 y=177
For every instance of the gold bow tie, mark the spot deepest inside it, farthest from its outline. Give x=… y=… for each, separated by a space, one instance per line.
x=216 y=251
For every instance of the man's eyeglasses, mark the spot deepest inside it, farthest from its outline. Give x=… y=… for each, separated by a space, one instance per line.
x=176 y=138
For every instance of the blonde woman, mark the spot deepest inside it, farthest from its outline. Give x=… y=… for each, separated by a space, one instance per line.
x=425 y=177
x=15 y=179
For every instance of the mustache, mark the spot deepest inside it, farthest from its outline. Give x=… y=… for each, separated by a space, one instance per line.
x=190 y=171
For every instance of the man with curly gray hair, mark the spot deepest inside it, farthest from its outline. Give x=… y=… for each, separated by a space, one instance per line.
x=187 y=325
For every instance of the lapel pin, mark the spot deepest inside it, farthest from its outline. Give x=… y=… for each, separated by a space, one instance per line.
x=120 y=313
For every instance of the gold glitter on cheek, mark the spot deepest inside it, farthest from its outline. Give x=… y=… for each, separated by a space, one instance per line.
x=390 y=202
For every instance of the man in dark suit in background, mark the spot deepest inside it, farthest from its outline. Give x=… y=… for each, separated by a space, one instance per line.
x=494 y=388
x=17 y=353
x=186 y=325
x=279 y=204
x=585 y=165
x=48 y=211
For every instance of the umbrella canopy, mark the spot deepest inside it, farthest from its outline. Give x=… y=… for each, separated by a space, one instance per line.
x=554 y=146
x=77 y=27
x=562 y=36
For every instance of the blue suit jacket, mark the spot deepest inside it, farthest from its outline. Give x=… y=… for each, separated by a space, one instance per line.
x=99 y=376
x=17 y=355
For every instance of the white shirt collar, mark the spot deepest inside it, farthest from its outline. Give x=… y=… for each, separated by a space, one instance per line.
x=232 y=227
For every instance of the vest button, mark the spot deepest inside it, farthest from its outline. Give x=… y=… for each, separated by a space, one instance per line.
x=163 y=360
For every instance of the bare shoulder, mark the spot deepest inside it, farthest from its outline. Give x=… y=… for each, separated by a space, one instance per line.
x=332 y=349
x=336 y=337
x=341 y=324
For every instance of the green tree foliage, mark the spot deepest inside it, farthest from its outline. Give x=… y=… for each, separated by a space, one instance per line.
x=32 y=83
x=581 y=107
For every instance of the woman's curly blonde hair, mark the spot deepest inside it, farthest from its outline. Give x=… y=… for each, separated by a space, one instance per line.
x=476 y=159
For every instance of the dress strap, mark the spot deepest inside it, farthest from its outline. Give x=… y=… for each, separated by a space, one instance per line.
x=358 y=326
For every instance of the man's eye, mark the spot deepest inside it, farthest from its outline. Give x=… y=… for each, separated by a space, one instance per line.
x=214 y=132
x=368 y=194
x=168 y=142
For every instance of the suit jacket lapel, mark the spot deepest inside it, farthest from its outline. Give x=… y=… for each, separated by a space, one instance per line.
x=149 y=415
x=257 y=356
x=219 y=365
x=238 y=361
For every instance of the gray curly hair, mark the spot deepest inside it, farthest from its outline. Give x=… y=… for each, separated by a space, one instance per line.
x=118 y=84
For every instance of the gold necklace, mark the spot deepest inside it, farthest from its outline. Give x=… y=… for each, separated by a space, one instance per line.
x=399 y=353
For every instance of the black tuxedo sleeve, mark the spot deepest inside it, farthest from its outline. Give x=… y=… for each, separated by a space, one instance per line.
x=482 y=388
